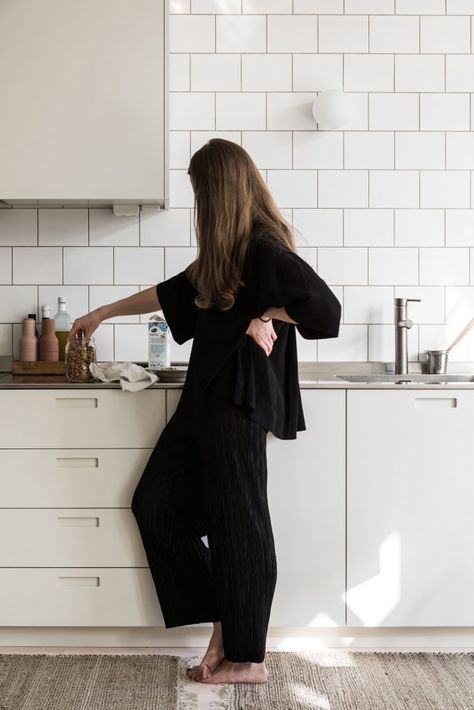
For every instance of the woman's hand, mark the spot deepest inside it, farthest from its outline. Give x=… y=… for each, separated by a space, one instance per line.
x=262 y=333
x=87 y=324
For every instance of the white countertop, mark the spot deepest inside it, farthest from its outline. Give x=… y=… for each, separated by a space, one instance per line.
x=311 y=375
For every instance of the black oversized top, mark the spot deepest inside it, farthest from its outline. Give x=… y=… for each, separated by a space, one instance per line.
x=225 y=363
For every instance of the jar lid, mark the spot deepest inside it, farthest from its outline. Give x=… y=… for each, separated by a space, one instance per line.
x=81 y=338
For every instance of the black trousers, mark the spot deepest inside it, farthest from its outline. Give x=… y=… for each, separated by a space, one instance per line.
x=207 y=475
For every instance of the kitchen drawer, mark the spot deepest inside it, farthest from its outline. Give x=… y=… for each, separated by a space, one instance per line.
x=70 y=478
x=172 y=399
x=81 y=537
x=63 y=418
x=78 y=597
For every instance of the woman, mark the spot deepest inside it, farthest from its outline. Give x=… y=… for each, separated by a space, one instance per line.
x=240 y=300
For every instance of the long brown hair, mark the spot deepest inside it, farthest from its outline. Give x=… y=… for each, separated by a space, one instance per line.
x=231 y=205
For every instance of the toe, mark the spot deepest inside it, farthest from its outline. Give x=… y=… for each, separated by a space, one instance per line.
x=206 y=670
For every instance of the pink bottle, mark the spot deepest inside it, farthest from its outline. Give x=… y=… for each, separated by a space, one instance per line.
x=48 y=344
x=28 y=341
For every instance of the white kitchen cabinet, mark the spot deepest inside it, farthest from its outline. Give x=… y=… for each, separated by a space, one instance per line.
x=78 y=596
x=81 y=418
x=65 y=537
x=84 y=101
x=71 y=553
x=70 y=478
x=306 y=490
x=306 y=493
x=172 y=398
x=410 y=492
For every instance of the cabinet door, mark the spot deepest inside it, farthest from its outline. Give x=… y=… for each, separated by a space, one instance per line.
x=84 y=109
x=173 y=395
x=70 y=478
x=71 y=537
x=78 y=596
x=81 y=418
x=307 y=507
x=410 y=492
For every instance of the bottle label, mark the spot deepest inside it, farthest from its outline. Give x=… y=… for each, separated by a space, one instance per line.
x=159 y=337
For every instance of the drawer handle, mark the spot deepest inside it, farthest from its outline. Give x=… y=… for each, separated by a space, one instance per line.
x=77 y=402
x=79 y=581
x=79 y=462
x=81 y=522
x=436 y=402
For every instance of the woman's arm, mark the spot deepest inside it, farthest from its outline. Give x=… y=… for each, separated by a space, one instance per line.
x=144 y=301
x=278 y=314
x=287 y=288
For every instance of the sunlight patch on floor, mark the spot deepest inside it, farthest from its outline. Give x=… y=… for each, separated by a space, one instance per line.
x=311 y=698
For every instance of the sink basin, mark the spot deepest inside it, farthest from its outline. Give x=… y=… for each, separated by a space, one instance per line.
x=411 y=377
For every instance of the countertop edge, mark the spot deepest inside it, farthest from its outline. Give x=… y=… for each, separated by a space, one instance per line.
x=304 y=384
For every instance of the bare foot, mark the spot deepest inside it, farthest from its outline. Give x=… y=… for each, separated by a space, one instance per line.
x=231 y=672
x=211 y=659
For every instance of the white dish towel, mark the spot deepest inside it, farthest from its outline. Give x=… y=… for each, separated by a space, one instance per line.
x=131 y=376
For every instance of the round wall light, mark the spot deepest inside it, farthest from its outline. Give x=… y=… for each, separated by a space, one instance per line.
x=331 y=109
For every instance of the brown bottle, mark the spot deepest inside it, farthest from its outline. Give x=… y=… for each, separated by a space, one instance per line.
x=28 y=341
x=48 y=344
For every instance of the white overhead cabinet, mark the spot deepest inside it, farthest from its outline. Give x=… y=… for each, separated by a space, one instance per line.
x=84 y=101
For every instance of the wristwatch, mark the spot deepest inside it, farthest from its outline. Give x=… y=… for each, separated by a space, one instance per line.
x=265 y=320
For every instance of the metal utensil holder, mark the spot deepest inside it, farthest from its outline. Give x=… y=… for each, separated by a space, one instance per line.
x=437 y=361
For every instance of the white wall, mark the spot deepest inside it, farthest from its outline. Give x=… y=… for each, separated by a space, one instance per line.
x=383 y=208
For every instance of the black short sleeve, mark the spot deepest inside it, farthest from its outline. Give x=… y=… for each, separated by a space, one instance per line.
x=176 y=296
x=283 y=278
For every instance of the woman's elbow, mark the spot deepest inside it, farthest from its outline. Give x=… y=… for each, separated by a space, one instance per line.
x=324 y=327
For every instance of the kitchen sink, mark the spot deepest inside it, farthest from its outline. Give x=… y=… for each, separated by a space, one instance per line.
x=410 y=377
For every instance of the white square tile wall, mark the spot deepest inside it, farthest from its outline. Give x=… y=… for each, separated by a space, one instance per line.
x=383 y=208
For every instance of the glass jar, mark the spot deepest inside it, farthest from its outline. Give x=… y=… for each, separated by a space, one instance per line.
x=79 y=352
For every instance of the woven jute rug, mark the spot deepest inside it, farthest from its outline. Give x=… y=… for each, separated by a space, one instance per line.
x=361 y=680
x=88 y=682
x=309 y=680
